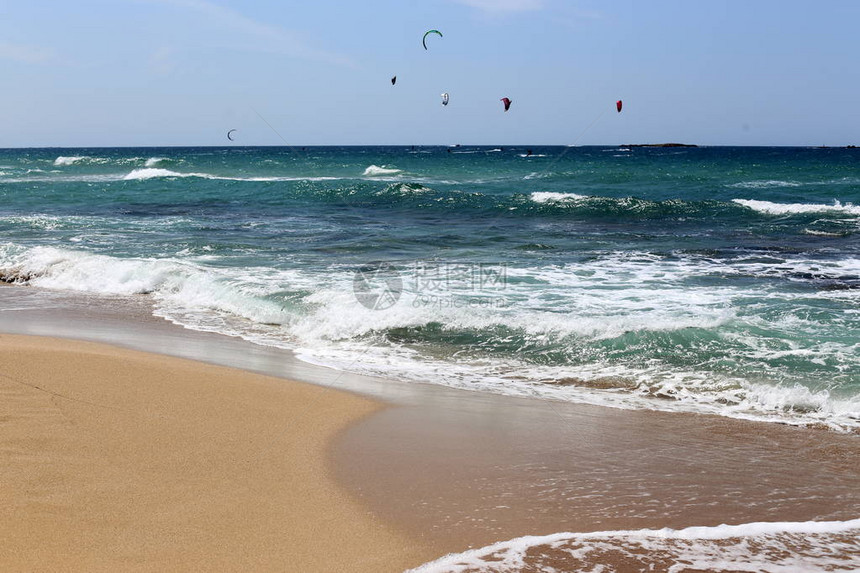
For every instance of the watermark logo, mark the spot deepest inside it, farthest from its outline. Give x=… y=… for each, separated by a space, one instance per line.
x=377 y=286
x=439 y=284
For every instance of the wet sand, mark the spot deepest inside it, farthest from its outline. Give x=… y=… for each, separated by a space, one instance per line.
x=116 y=460
x=478 y=472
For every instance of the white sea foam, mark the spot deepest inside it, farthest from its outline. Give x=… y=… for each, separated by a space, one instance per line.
x=62 y=160
x=404 y=189
x=822 y=233
x=778 y=547
x=649 y=388
x=606 y=300
x=768 y=184
x=157 y=172
x=153 y=172
x=48 y=222
x=770 y=208
x=376 y=170
x=177 y=285
x=554 y=197
x=155 y=161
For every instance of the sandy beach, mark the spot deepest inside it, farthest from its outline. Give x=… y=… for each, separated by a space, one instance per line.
x=116 y=460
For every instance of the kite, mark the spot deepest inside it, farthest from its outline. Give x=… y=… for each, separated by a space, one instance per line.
x=445 y=98
x=229 y=132
x=618 y=106
x=394 y=80
x=428 y=32
x=507 y=103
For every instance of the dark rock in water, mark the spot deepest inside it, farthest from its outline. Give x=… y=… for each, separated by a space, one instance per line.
x=840 y=286
x=15 y=276
x=828 y=282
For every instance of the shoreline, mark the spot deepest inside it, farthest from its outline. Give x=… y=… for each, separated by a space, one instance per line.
x=105 y=318
x=453 y=470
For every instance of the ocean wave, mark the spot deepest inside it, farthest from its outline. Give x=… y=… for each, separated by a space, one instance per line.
x=156 y=161
x=71 y=160
x=600 y=334
x=157 y=172
x=767 y=184
x=65 y=161
x=154 y=172
x=175 y=284
x=575 y=204
x=376 y=170
x=553 y=197
x=404 y=190
x=770 y=208
x=763 y=547
x=48 y=222
x=818 y=233
x=602 y=206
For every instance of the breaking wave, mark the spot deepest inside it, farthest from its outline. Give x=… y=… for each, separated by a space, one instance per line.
x=551 y=197
x=61 y=161
x=770 y=208
x=153 y=172
x=376 y=171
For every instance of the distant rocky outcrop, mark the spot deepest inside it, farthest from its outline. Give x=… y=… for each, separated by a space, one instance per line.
x=660 y=145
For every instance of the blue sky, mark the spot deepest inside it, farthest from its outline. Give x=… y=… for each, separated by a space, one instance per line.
x=183 y=72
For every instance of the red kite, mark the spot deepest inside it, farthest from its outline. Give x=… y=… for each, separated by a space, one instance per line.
x=507 y=103
x=618 y=106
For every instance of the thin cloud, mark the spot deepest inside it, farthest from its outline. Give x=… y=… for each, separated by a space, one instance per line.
x=268 y=38
x=503 y=6
x=25 y=54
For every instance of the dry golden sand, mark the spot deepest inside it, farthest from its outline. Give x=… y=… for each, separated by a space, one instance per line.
x=116 y=460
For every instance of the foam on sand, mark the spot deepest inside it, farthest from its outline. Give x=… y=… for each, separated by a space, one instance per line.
x=751 y=547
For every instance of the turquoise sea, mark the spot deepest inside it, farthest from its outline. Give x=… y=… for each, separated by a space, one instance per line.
x=712 y=279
